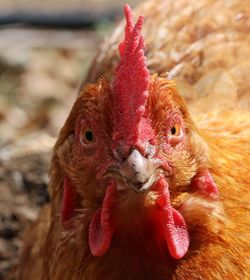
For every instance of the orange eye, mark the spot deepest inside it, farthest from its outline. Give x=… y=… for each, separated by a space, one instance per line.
x=175 y=130
x=87 y=136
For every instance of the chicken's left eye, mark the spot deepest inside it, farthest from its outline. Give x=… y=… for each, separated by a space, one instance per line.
x=87 y=137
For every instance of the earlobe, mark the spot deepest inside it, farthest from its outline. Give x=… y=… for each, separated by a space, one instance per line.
x=204 y=183
x=69 y=201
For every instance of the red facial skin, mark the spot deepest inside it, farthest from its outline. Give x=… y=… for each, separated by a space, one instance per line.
x=97 y=155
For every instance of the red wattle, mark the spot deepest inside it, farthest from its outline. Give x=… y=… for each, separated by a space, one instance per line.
x=172 y=223
x=101 y=228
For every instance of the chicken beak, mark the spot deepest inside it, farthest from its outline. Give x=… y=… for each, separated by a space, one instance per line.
x=139 y=172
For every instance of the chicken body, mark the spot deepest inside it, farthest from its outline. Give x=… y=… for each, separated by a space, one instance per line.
x=194 y=159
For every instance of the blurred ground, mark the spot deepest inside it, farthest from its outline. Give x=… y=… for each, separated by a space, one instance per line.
x=40 y=73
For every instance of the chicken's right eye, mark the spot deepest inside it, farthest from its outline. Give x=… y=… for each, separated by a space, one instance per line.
x=175 y=130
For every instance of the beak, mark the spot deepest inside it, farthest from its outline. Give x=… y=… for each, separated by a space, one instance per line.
x=137 y=171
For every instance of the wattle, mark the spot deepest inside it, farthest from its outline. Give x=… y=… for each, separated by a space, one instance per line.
x=171 y=222
x=168 y=220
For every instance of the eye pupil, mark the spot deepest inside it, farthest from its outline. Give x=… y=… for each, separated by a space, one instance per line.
x=89 y=135
x=173 y=130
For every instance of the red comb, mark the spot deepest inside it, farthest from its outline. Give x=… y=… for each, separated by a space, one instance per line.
x=131 y=82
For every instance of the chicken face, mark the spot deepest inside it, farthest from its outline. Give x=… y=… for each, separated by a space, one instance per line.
x=125 y=148
x=111 y=184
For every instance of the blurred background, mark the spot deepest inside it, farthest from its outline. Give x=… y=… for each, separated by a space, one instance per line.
x=46 y=48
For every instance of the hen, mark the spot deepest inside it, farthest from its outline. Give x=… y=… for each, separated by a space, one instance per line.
x=137 y=190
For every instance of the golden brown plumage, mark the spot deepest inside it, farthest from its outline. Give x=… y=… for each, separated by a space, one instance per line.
x=219 y=140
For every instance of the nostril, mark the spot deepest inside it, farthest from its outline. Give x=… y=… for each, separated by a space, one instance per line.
x=147 y=150
x=122 y=151
x=150 y=150
x=139 y=149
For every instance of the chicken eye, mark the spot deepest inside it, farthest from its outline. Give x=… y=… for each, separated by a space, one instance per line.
x=175 y=130
x=87 y=137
